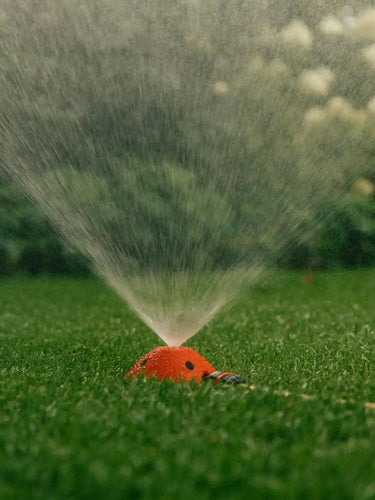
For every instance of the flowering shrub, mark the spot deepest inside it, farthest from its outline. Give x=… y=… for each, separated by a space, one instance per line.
x=297 y=110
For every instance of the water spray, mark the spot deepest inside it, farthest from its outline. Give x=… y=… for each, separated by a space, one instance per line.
x=181 y=146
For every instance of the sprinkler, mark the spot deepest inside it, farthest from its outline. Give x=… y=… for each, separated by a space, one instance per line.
x=180 y=364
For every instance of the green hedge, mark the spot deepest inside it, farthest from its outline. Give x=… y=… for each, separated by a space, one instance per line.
x=27 y=241
x=344 y=238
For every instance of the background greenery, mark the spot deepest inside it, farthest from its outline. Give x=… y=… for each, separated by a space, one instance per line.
x=342 y=234
x=28 y=242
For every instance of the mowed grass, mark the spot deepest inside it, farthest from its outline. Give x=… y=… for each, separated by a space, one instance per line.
x=71 y=427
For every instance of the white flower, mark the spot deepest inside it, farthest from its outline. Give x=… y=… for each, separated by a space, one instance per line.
x=371 y=105
x=331 y=25
x=369 y=54
x=297 y=34
x=359 y=117
x=365 y=24
x=340 y=107
x=220 y=88
x=316 y=81
x=363 y=187
x=315 y=115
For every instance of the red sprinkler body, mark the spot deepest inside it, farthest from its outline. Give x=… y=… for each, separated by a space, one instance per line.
x=179 y=364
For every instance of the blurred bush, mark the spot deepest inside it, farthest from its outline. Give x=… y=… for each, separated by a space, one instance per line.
x=347 y=238
x=342 y=237
x=314 y=69
x=27 y=241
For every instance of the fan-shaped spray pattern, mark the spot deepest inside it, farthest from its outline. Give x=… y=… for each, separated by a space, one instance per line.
x=179 y=144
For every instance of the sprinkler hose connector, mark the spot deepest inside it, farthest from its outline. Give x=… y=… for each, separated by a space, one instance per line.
x=180 y=364
x=225 y=378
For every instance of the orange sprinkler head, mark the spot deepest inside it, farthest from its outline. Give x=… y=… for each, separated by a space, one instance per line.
x=172 y=363
x=179 y=364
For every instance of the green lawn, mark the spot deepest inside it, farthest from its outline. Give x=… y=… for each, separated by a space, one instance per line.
x=72 y=428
